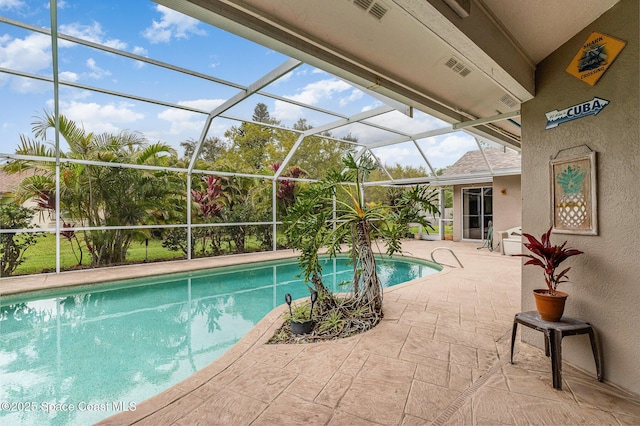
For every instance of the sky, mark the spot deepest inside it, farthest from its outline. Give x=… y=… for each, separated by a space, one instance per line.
x=145 y=28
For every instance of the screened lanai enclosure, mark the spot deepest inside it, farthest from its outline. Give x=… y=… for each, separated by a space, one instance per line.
x=132 y=132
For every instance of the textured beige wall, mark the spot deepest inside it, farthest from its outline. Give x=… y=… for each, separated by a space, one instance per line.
x=457 y=213
x=507 y=202
x=605 y=281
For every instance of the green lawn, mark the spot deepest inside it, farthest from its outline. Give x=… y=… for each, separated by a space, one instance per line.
x=448 y=229
x=41 y=257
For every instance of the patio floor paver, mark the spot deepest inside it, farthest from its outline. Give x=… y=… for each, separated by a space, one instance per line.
x=440 y=356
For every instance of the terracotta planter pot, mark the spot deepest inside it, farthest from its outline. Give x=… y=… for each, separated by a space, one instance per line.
x=304 y=327
x=550 y=307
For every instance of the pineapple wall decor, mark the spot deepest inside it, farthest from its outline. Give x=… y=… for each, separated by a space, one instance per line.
x=573 y=195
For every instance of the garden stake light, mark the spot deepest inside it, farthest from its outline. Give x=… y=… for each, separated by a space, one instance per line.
x=287 y=298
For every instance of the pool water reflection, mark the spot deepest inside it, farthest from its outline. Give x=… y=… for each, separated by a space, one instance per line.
x=80 y=355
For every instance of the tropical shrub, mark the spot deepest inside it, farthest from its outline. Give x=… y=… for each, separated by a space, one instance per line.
x=93 y=195
x=312 y=224
x=14 y=244
x=548 y=257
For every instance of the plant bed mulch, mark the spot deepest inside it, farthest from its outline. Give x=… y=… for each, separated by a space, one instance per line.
x=333 y=320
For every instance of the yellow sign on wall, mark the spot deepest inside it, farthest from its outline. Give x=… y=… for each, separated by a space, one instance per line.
x=594 y=57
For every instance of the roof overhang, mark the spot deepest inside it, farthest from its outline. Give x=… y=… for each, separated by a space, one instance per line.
x=448 y=180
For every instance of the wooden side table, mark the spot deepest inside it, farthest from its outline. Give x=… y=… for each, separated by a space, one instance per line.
x=553 y=334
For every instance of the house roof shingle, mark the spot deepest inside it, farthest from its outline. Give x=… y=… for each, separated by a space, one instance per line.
x=9 y=182
x=473 y=162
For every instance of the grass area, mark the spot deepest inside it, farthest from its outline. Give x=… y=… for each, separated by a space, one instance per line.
x=41 y=257
x=448 y=229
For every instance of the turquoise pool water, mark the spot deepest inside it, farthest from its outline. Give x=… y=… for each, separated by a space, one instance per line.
x=77 y=356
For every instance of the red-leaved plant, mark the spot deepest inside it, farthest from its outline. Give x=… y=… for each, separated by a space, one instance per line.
x=548 y=257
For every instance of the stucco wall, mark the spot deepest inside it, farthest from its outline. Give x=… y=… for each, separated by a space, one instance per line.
x=605 y=281
x=507 y=202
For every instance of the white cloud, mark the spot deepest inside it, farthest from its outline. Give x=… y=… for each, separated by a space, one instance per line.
x=419 y=123
x=96 y=72
x=203 y=104
x=354 y=96
x=172 y=25
x=311 y=94
x=455 y=144
x=215 y=62
x=321 y=90
x=392 y=120
x=142 y=52
x=284 y=78
x=73 y=94
x=62 y=4
x=30 y=54
x=69 y=76
x=138 y=50
x=11 y=4
x=187 y=122
x=399 y=154
x=441 y=151
x=23 y=85
x=445 y=150
x=102 y=118
x=286 y=111
x=93 y=33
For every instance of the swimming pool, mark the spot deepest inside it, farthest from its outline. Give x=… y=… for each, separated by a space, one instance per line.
x=80 y=355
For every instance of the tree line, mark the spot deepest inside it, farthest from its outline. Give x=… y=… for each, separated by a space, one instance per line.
x=96 y=195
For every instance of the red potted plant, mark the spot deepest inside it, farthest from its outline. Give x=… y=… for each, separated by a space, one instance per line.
x=549 y=302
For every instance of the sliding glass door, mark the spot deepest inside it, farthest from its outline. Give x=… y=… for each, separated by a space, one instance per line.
x=477 y=212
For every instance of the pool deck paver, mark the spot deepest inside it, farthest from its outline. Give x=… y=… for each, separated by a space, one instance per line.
x=440 y=356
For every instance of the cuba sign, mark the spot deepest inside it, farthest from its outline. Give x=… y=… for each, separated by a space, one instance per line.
x=592 y=107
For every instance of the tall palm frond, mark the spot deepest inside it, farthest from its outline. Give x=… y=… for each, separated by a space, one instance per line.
x=33 y=186
x=93 y=195
x=79 y=142
x=29 y=147
x=152 y=154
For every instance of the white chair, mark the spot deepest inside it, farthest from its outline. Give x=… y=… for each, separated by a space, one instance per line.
x=512 y=241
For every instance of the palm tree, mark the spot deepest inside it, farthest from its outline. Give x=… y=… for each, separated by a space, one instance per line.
x=95 y=195
x=311 y=225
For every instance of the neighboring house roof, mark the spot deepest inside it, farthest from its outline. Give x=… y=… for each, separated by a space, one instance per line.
x=473 y=162
x=9 y=182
